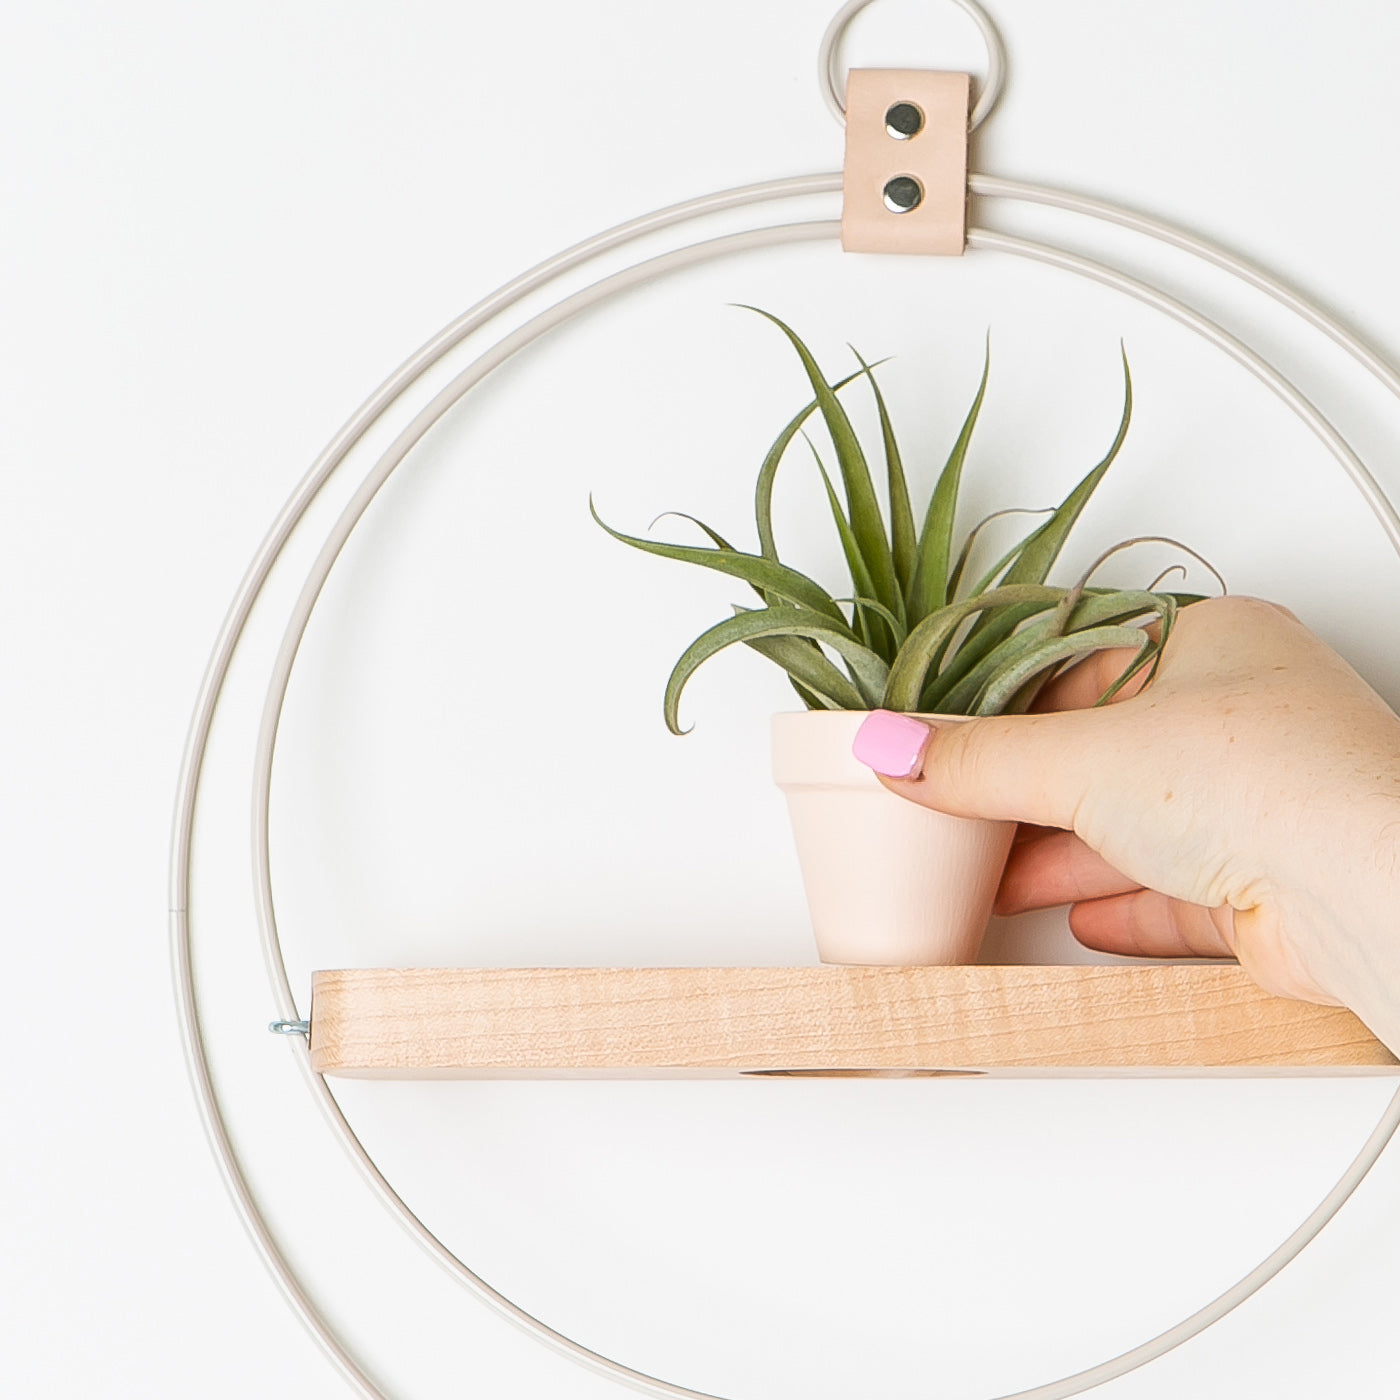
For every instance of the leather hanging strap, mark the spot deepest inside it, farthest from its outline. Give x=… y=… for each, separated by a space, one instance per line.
x=905 y=188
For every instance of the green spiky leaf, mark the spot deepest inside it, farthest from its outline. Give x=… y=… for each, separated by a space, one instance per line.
x=763 y=624
x=928 y=590
x=903 y=542
x=926 y=643
x=767 y=473
x=1050 y=654
x=1037 y=557
x=862 y=506
x=766 y=575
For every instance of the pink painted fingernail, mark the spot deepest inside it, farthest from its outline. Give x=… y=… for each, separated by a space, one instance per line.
x=892 y=744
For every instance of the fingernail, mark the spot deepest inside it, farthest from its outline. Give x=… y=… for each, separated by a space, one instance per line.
x=892 y=744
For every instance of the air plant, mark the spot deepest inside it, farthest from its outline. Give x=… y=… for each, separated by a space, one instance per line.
x=918 y=632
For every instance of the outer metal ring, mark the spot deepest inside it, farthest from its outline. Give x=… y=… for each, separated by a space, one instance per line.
x=832 y=84
x=279 y=534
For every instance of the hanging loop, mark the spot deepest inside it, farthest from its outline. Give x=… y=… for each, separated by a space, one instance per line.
x=832 y=84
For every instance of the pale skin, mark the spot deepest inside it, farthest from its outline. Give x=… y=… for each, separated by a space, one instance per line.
x=1244 y=804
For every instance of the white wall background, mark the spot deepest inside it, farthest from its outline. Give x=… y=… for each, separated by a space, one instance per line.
x=219 y=229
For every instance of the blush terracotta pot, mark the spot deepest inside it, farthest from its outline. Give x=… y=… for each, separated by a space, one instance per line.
x=888 y=882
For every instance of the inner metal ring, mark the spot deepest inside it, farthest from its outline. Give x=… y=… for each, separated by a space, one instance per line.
x=831 y=83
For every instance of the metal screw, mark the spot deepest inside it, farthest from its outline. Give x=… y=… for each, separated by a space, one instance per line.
x=290 y=1028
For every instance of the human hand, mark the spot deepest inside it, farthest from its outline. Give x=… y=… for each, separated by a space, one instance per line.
x=1246 y=804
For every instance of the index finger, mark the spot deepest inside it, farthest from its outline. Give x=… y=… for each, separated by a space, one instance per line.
x=1085 y=681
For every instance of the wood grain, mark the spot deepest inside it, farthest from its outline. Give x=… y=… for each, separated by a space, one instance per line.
x=644 y=1022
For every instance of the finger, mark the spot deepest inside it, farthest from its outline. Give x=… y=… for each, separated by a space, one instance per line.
x=1081 y=686
x=1056 y=868
x=1146 y=924
x=1032 y=768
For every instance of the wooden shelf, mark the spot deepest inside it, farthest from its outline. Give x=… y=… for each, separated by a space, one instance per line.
x=822 y=1021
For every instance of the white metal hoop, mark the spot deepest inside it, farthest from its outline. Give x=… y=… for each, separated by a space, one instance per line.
x=829 y=60
x=370 y=413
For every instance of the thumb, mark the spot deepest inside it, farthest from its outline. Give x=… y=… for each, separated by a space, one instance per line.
x=1026 y=768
